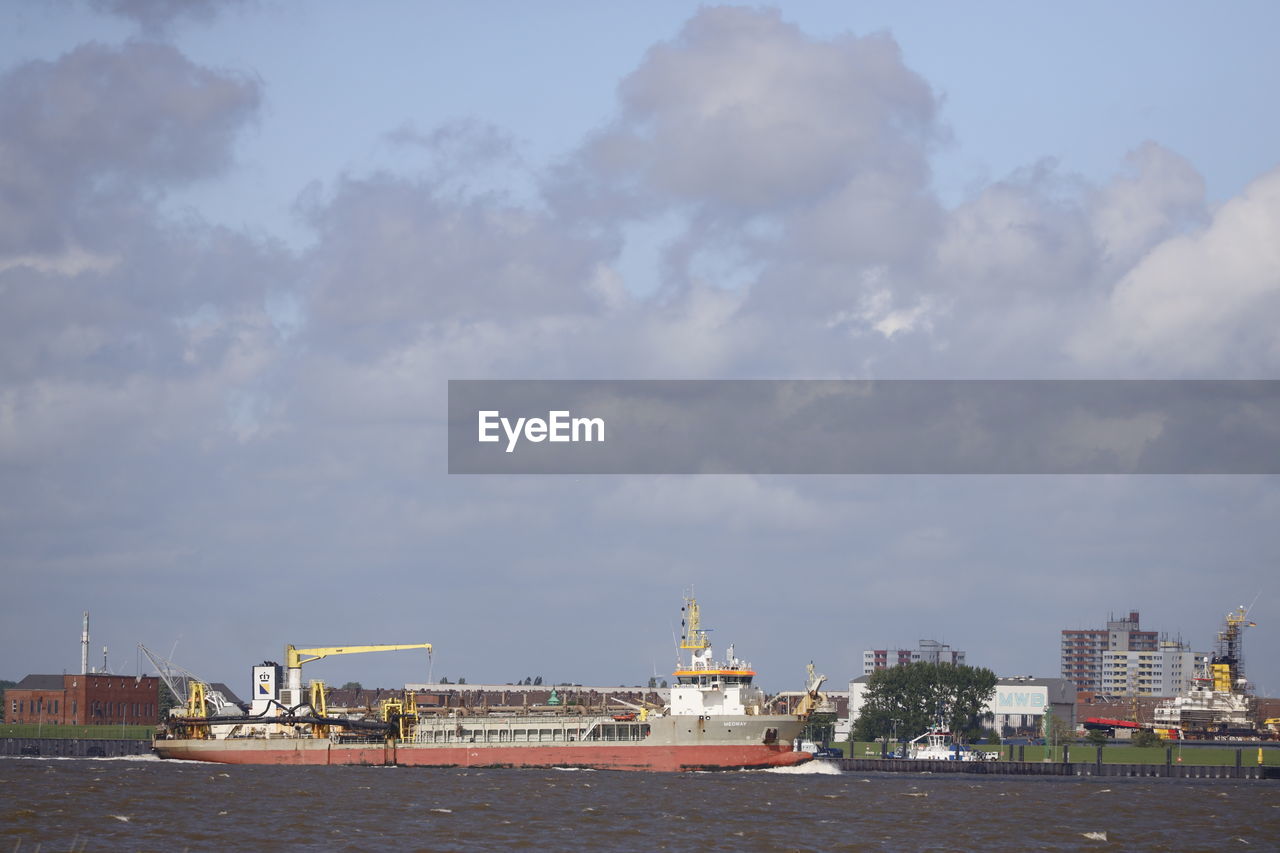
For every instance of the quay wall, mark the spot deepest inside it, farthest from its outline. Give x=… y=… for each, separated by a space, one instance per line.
x=1056 y=768
x=72 y=747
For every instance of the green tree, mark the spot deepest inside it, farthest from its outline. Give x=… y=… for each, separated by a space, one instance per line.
x=168 y=701
x=1062 y=732
x=820 y=728
x=1097 y=737
x=915 y=696
x=352 y=685
x=1145 y=737
x=5 y=685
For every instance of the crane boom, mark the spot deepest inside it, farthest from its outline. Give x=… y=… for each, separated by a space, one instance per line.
x=294 y=659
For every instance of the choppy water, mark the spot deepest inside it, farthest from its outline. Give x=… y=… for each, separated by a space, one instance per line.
x=147 y=804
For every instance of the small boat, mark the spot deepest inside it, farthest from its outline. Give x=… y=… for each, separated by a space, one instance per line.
x=937 y=744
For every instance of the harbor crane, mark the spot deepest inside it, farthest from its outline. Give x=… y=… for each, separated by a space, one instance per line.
x=294 y=658
x=187 y=687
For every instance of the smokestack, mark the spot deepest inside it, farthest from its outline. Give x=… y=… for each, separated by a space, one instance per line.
x=84 y=646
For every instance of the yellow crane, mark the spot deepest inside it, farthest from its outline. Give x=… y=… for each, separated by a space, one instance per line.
x=294 y=658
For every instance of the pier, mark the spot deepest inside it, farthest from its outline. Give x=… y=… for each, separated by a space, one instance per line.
x=1168 y=770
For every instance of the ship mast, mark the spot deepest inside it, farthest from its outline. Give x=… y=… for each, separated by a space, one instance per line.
x=694 y=635
x=1227 y=666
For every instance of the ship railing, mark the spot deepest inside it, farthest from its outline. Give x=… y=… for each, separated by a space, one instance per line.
x=527 y=730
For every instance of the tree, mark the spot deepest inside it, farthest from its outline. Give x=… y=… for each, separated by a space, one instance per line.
x=913 y=697
x=820 y=728
x=1145 y=737
x=5 y=684
x=352 y=685
x=168 y=701
x=1097 y=737
x=1062 y=732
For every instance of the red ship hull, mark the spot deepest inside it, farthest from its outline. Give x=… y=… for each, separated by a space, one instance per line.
x=598 y=757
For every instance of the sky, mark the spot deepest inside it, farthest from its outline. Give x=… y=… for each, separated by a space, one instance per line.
x=244 y=245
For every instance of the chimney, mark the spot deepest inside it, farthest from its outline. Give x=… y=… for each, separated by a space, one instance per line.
x=84 y=646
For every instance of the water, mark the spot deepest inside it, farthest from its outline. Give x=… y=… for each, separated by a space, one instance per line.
x=53 y=804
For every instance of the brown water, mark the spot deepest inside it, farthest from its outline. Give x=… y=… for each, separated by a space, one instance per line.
x=146 y=804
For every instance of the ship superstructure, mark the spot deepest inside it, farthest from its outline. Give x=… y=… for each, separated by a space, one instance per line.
x=715 y=720
x=1220 y=701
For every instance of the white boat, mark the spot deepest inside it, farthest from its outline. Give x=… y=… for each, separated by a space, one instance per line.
x=938 y=745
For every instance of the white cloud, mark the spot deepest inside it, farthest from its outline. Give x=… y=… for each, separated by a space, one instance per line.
x=1200 y=304
x=744 y=112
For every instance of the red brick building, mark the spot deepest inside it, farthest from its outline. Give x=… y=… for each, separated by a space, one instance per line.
x=93 y=699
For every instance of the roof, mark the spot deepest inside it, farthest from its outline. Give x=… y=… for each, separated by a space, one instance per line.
x=40 y=682
x=227 y=692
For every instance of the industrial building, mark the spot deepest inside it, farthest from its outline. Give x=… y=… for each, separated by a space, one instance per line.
x=85 y=699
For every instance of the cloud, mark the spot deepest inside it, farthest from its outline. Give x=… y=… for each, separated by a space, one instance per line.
x=92 y=133
x=395 y=260
x=1201 y=303
x=1161 y=197
x=735 y=504
x=182 y=403
x=156 y=17
x=743 y=112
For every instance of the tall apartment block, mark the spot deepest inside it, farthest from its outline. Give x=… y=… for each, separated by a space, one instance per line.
x=1084 y=650
x=930 y=651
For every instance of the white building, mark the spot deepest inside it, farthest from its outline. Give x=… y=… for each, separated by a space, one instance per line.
x=930 y=651
x=1018 y=703
x=1167 y=671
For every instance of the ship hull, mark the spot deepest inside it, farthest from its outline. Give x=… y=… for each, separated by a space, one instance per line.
x=321 y=751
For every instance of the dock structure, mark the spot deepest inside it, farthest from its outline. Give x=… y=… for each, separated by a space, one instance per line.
x=45 y=747
x=1168 y=770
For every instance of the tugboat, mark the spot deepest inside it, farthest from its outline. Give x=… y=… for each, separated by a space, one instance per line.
x=937 y=744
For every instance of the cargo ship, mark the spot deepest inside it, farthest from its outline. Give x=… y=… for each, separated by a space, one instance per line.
x=715 y=719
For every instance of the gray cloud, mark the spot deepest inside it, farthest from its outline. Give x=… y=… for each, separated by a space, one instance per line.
x=92 y=133
x=396 y=261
